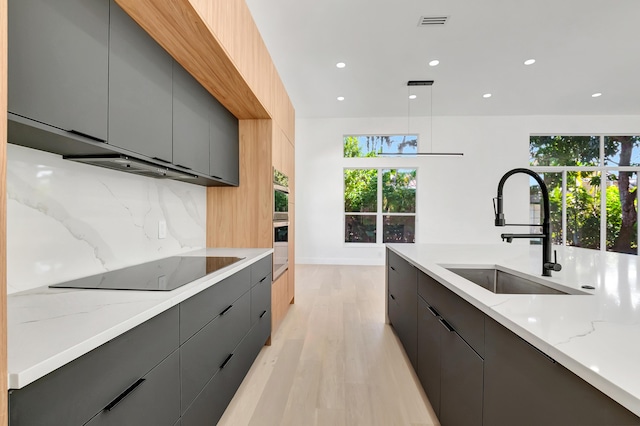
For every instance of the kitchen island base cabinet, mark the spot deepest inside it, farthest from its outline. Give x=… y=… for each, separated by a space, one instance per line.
x=429 y=350
x=460 y=382
x=451 y=371
x=402 y=280
x=523 y=386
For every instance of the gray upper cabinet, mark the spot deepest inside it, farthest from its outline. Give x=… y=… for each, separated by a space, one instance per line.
x=59 y=62
x=225 y=148
x=140 y=89
x=191 y=118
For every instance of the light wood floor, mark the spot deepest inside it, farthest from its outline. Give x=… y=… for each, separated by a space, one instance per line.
x=333 y=361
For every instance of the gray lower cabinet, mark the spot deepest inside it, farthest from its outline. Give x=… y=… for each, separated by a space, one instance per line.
x=140 y=89
x=76 y=392
x=429 y=350
x=153 y=400
x=524 y=386
x=191 y=118
x=58 y=63
x=186 y=361
x=204 y=353
x=211 y=403
x=451 y=371
x=461 y=381
x=402 y=295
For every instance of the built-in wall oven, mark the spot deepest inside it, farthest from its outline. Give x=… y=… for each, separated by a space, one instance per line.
x=280 y=223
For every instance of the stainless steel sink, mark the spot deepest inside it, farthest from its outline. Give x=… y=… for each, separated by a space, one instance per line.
x=502 y=282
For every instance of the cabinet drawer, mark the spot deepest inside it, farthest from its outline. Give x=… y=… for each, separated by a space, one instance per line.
x=467 y=320
x=198 y=310
x=74 y=393
x=210 y=404
x=206 y=351
x=155 y=401
x=402 y=280
x=260 y=299
x=261 y=269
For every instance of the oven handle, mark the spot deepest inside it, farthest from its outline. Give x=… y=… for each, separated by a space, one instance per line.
x=280 y=223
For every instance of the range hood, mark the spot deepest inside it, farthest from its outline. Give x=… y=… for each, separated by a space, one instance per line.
x=125 y=163
x=76 y=147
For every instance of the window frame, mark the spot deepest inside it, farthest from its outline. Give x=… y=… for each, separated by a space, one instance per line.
x=379 y=213
x=600 y=168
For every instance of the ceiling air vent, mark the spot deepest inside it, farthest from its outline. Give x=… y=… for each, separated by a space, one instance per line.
x=427 y=21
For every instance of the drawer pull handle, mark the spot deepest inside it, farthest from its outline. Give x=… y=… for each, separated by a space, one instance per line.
x=226 y=361
x=392 y=268
x=445 y=324
x=263 y=314
x=392 y=296
x=123 y=395
x=226 y=310
x=262 y=279
x=433 y=312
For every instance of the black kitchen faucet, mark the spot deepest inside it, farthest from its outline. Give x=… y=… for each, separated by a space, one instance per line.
x=547 y=264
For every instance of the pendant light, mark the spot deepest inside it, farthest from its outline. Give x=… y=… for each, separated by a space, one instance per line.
x=412 y=85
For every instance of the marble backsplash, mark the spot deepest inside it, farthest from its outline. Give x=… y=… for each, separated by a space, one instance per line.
x=67 y=220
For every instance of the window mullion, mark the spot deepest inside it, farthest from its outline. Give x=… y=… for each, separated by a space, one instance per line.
x=564 y=207
x=379 y=221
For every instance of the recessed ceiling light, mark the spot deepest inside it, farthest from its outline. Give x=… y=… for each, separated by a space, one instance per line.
x=341 y=65
x=596 y=95
x=434 y=63
x=341 y=98
x=486 y=95
x=412 y=96
x=530 y=62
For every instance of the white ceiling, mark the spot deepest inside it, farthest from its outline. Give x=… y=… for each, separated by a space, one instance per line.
x=581 y=47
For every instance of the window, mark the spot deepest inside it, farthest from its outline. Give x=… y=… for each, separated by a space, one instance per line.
x=592 y=183
x=377 y=198
x=372 y=145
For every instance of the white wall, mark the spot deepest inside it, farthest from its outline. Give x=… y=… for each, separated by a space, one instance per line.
x=454 y=194
x=66 y=220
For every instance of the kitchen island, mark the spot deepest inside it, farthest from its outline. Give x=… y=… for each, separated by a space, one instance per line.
x=595 y=335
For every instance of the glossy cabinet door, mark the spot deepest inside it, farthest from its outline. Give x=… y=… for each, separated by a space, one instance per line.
x=58 y=63
x=224 y=157
x=140 y=90
x=191 y=117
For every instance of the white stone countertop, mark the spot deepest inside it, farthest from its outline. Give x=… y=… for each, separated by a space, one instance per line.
x=47 y=327
x=596 y=336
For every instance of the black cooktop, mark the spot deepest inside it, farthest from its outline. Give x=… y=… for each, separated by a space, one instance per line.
x=159 y=275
